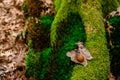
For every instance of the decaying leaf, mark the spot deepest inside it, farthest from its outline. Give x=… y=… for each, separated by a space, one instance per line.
x=84 y=50
x=80 y=55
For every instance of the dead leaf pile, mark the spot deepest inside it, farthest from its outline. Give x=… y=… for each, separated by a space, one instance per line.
x=12 y=57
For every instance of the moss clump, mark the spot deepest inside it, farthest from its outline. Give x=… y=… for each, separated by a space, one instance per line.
x=39 y=54
x=98 y=68
x=70 y=31
x=115 y=52
x=115 y=22
x=46 y=21
x=39 y=31
x=57 y=4
x=44 y=62
x=32 y=59
x=67 y=29
x=64 y=8
x=38 y=63
x=25 y=6
x=112 y=5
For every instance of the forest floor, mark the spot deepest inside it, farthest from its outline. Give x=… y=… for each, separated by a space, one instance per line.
x=12 y=56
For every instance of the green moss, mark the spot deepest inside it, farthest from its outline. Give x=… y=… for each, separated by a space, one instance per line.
x=98 y=68
x=61 y=14
x=65 y=8
x=38 y=63
x=66 y=29
x=25 y=7
x=114 y=53
x=39 y=31
x=95 y=31
x=71 y=31
x=109 y=5
x=31 y=59
x=39 y=54
x=118 y=1
x=44 y=61
x=46 y=21
x=57 y=4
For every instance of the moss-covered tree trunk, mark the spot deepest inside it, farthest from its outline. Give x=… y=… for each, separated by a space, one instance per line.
x=98 y=68
x=92 y=16
x=66 y=30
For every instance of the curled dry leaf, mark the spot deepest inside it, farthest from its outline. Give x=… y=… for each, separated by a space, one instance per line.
x=80 y=55
x=84 y=51
x=73 y=56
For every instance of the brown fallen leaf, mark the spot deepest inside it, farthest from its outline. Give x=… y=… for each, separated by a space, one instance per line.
x=73 y=56
x=84 y=51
